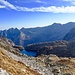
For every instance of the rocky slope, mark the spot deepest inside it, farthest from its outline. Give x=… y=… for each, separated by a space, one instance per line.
x=12 y=62
x=10 y=46
x=14 y=67
x=27 y=36
x=9 y=56
x=59 y=48
x=3 y=72
x=59 y=65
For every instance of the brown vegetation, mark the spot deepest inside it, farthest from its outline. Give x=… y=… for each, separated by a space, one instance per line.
x=14 y=67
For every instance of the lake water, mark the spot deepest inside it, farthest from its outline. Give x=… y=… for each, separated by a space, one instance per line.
x=29 y=53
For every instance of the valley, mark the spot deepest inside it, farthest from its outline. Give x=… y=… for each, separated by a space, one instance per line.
x=37 y=37
x=38 y=51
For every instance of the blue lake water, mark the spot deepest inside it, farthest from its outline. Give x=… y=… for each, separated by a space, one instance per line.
x=29 y=53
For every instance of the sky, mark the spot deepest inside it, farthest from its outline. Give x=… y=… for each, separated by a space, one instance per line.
x=35 y=13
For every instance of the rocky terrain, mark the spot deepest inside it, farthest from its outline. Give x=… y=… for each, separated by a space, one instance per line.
x=27 y=36
x=9 y=66
x=9 y=56
x=12 y=62
x=59 y=65
x=14 y=67
x=3 y=72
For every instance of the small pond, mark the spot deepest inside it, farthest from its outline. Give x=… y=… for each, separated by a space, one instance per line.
x=29 y=53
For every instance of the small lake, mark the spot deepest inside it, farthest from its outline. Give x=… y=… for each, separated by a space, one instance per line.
x=29 y=53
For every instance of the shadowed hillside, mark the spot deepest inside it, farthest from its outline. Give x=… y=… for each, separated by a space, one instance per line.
x=59 y=48
x=70 y=35
x=26 y=36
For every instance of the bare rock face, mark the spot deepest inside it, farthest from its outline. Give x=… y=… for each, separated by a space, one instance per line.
x=10 y=46
x=3 y=72
x=22 y=38
x=15 y=35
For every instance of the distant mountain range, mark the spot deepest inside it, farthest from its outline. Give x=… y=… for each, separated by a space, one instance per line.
x=26 y=36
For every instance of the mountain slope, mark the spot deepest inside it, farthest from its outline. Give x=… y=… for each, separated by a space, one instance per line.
x=9 y=59
x=14 y=34
x=14 y=67
x=53 y=32
x=70 y=35
x=27 y=36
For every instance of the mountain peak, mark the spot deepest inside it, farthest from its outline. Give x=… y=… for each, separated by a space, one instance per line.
x=53 y=32
x=56 y=24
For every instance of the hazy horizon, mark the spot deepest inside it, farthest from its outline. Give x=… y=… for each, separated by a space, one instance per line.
x=35 y=26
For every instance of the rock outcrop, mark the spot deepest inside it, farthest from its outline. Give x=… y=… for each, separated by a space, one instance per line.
x=10 y=46
x=3 y=72
x=58 y=65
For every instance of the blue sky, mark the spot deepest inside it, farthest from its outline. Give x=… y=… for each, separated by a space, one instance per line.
x=35 y=13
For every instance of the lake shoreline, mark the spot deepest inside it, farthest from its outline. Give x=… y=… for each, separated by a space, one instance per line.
x=29 y=53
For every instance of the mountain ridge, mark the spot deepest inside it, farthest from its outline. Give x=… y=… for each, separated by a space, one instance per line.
x=25 y=36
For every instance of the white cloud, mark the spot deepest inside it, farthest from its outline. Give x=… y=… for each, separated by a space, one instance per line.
x=2 y=6
x=7 y=4
x=52 y=9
